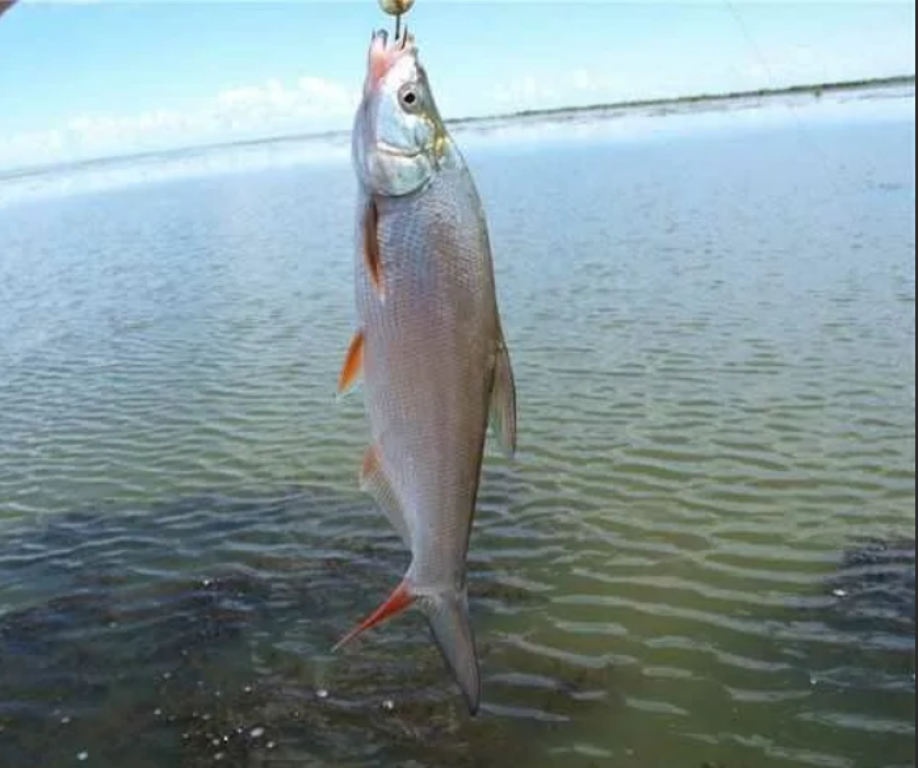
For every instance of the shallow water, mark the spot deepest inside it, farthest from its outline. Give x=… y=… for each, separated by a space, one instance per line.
x=713 y=334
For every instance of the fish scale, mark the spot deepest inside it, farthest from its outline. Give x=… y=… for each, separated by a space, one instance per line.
x=427 y=366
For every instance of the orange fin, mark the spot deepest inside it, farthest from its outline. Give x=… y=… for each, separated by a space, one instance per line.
x=400 y=600
x=371 y=252
x=353 y=364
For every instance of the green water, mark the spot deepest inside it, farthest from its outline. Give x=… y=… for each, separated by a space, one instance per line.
x=714 y=341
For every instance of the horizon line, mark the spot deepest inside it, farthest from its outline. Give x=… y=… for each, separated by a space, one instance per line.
x=816 y=89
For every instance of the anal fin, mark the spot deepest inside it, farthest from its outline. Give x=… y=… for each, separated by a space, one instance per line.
x=503 y=400
x=374 y=481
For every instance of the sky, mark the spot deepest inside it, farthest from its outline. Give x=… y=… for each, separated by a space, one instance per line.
x=95 y=78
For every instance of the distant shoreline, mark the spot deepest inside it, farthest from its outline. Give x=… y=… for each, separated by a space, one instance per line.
x=612 y=108
x=815 y=90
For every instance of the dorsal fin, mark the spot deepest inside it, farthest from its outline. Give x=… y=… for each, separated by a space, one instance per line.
x=503 y=400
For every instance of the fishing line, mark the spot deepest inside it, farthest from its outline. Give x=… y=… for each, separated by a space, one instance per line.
x=773 y=81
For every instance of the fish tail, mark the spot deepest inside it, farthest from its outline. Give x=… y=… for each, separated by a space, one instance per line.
x=401 y=599
x=451 y=627
x=447 y=614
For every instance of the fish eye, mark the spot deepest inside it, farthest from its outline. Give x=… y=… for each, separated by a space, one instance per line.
x=409 y=97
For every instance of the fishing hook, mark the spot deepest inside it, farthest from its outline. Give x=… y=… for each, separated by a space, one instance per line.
x=397 y=8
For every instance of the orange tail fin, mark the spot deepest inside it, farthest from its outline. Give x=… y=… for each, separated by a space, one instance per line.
x=400 y=600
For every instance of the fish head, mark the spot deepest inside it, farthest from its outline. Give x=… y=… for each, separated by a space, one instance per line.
x=399 y=137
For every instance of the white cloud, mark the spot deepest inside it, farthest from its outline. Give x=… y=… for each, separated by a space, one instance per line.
x=570 y=89
x=271 y=108
x=275 y=105
x=26 y=145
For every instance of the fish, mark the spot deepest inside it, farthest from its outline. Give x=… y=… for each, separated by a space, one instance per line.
x=429 y=350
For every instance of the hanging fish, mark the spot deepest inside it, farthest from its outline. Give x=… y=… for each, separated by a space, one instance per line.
x=430 y=347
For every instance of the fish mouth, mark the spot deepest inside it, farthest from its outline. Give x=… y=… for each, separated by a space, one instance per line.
x=384 y=56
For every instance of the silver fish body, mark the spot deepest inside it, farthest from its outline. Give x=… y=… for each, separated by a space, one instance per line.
x=435 y=365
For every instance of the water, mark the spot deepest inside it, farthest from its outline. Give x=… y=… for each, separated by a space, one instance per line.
x=713 y=329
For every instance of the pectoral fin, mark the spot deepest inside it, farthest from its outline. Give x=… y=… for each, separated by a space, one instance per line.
x=503 y=400
x=371 y=252
x=374 y=481
x=353 y=364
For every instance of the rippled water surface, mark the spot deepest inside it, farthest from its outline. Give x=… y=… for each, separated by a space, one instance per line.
x=702 y=556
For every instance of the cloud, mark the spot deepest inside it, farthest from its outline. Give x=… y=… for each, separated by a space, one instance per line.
x=308 y=99
x=567 y=89
x=31 y=144
x=272 y=108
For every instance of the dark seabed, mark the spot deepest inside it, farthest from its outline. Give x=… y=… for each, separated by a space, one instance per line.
x=703 y=556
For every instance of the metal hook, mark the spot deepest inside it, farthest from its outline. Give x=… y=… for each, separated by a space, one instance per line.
x=397 y=8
